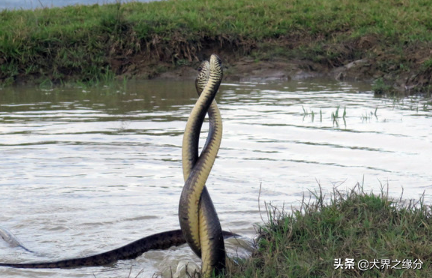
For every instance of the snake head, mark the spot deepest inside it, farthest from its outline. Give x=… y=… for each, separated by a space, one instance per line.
x=214 y=66
x=203 y=76
x=216 y=63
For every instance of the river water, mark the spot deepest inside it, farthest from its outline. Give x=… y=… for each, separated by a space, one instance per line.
x=85 y=170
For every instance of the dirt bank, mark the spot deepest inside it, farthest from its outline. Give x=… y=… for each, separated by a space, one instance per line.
x=401 y=74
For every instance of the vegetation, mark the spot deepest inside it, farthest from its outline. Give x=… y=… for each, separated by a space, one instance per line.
x=98 y=42
x=362 y=226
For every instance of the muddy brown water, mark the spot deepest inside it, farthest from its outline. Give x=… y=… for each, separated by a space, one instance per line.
x=90 y=169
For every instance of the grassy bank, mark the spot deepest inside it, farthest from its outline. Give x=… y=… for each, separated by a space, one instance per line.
x=87 y=43
x=310 y=241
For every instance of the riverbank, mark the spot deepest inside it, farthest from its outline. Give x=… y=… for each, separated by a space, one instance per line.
x=354 y=234
x=387 y=42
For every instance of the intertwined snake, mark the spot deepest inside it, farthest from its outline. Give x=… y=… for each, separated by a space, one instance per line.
x=198 y=219
x=200 y=226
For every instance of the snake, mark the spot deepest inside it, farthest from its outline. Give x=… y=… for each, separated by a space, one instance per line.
x=200 y=225
x=197 y=215
x=12 y=240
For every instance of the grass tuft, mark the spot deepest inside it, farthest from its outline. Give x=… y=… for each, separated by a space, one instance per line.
x=353 y=225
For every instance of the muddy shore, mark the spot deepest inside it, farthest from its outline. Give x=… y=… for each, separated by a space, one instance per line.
x=243 y=69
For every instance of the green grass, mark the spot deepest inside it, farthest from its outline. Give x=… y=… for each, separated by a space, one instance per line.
x=88 y=43
x=354 y=225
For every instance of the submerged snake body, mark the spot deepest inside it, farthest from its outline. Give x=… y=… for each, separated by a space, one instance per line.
x=132 y=250
x=198 y=219
x=11 y=240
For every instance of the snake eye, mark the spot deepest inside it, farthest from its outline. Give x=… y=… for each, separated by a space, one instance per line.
x=203 y=66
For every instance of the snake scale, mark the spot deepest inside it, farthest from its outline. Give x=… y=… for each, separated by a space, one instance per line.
x=200 y=226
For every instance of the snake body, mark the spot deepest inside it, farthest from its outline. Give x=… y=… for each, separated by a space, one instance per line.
x=132 y=250
x=11 y=240
x=200 y=226
x=197 y=215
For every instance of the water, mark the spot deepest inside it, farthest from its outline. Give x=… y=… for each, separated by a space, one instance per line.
x=89 y=170
x=39 y=4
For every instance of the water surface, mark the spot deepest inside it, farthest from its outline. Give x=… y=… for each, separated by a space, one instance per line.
x=87 y=170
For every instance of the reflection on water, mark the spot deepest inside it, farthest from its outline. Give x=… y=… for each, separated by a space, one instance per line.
x=88 y=170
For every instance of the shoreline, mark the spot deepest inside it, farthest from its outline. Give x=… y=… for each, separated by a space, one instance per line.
x=334 y=235
x=247 y=69
x=389 y=45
